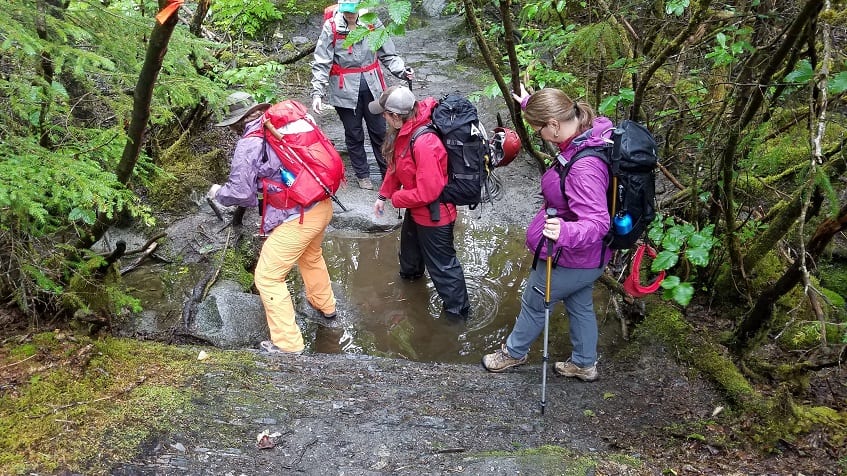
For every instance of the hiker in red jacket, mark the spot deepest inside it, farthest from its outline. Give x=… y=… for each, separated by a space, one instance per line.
x=413 y=183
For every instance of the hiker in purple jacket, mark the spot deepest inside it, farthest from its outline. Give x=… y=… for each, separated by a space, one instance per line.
x=577 y=231
x=294 y=235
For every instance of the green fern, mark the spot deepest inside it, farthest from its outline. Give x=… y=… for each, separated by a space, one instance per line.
x=236 y=16
x=597 y=44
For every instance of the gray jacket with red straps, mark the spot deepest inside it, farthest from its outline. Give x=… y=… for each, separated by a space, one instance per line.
x=341 y=68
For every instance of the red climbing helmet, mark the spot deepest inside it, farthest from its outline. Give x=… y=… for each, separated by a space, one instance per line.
x=505 y=146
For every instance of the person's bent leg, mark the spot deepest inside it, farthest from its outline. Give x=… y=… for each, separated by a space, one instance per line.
x=436 y=244
x=280 y=252
x=530 y=321
x=411 y=259
x=311 y=263
x=528 y=325
x=354 y=138
x=582 y=319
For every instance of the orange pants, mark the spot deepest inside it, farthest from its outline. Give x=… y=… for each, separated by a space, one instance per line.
x=289 y=244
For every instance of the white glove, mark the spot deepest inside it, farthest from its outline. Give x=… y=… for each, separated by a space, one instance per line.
x=317 y=105
x=213 y=190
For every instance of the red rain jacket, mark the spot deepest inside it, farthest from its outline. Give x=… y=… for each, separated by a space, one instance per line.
x=416 y=182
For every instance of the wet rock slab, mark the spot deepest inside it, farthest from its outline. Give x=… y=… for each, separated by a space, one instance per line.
x=352 y=414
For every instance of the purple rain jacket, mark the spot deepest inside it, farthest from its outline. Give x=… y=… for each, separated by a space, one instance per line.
x=585 y=214
x=245 y=178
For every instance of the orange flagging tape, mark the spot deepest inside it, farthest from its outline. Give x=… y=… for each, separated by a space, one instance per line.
x=170 y=8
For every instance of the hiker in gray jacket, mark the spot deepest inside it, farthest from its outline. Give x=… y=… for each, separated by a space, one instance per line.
x=355 y=78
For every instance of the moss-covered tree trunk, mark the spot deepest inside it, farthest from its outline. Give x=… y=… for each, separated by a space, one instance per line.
x=748 y=331
x=758 y=73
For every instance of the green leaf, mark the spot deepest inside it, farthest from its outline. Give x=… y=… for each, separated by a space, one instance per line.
x=683 y=293
x=802 y=74
x=664 y=260
x=399 y=11
x=674 y=239
x=703 y=238
x=608 y=105
x=838 y=83
x=86 y=216
x=357 y=35
x=698 y=256
x=670 y=282
x=676 y=7
x=396 y=29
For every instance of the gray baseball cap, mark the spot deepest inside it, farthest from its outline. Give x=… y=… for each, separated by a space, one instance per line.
x=396 y=99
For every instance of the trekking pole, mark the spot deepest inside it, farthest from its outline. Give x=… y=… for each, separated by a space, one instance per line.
x=551 y=213
x=269 y=126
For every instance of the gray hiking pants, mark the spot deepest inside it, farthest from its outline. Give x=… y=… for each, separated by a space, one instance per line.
x=574 y=287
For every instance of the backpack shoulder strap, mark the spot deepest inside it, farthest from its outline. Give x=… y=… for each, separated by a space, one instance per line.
x=424 y=129
x=594 y=151
x=428 y=128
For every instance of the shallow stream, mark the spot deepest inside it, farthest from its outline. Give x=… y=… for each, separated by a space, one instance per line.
x=397 y=318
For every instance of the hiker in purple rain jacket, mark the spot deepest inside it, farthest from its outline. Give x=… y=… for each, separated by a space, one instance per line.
x=577 y=231
x=293 y=235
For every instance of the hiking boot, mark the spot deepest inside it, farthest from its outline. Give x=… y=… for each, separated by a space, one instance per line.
x=501 y=360
x=325 y=315
x=570 y=369
x=269 y=347
x=365 y=183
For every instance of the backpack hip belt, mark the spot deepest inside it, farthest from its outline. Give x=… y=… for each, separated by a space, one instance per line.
x=338 y=70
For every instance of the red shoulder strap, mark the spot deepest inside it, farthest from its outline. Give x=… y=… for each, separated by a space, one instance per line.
x=329 y=14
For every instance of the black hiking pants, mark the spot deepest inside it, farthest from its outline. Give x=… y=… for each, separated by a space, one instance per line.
x=432 y=247
x=354 y=133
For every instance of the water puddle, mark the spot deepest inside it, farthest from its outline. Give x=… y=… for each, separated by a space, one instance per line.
x=395 y=318
x=385 y=316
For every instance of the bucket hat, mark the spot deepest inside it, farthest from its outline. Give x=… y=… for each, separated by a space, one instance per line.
x=238 y=105
x=396 y=99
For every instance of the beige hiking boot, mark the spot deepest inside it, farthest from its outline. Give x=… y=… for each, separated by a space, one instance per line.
x=570 y=369
x=501 y=360
x=269 y=347
x=365 y=183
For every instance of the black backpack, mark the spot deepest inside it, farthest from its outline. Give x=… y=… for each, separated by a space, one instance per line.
x=456 y=122
x=632 y=159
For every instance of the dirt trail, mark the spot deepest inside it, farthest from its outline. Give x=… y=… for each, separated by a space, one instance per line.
x=346 y=414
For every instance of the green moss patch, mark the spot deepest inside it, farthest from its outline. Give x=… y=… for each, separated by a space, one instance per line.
x=550 y=459
x=69 y=402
